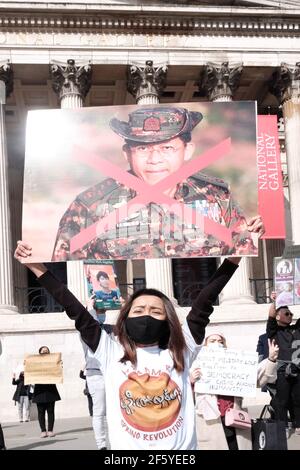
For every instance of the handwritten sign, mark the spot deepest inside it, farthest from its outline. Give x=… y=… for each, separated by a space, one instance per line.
x=227 y=372
x=43 y=369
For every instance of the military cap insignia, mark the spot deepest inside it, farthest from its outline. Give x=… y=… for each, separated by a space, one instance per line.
x=151 y=124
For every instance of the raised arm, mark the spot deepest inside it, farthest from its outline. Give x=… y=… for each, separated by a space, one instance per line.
x=202 y=308
x=88 y=327
x=272 y=326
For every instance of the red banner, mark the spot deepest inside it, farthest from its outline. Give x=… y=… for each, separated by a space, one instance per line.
x=270 y=188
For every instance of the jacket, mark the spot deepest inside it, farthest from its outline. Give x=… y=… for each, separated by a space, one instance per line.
x=45 y=393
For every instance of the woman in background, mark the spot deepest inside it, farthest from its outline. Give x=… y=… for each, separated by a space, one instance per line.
x=23 y=396
x=212 y=433
x=45 y=396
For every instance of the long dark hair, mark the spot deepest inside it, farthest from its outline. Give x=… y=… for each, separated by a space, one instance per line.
x=176 y=343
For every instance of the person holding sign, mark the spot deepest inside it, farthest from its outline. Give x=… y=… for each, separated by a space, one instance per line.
x=157 y=144
x=45 y=396
x=211 y=428
x=145 y=360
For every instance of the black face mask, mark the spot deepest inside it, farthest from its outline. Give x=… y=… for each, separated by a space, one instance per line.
x=148 y=330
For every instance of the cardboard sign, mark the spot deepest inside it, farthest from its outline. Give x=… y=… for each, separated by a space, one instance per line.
x=43 y=369
x=126 y=182
x=227 y=372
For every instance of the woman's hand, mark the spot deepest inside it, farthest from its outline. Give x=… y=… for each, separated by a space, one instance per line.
x=23 y=254
x=23 y=251
x=195 y=374
x=256 y=225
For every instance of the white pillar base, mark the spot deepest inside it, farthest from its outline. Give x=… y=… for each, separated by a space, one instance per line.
x=8 y=310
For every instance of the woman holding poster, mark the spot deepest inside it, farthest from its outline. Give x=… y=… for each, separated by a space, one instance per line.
x=145 y=361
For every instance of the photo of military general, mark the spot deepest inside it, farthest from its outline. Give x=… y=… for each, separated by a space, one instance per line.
x=147 y=182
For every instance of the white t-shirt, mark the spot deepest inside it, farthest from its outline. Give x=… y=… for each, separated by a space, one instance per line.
x=151 y=406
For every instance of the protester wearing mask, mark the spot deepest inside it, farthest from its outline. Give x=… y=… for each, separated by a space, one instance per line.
x=145 y=362
x=212 y=432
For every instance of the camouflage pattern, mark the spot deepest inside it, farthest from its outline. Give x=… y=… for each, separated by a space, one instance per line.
x=154 y=231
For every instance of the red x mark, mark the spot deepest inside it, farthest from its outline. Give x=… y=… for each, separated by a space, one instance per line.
x=152 y=193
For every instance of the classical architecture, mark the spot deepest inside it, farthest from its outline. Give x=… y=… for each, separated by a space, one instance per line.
x=70 y=54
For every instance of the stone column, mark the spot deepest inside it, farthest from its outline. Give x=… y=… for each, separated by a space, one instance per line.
x=220 y=82
x=146 y=83
x=7 y=304
x=285 y=85
x=71 y=83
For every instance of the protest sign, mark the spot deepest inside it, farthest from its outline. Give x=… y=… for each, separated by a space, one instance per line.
x=102 y=284
x=227 y=372
x=287 y=281
x=43 y=369
x=270 y=186
x=138 y=182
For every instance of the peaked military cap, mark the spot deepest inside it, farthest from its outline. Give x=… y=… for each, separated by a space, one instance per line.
x=150 y=125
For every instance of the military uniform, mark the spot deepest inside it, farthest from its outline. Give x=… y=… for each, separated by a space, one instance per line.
x=154 y=231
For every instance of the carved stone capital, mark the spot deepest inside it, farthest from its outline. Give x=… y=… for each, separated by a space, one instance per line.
x=145 y=80
x=6 y=76
x=219 y=81
x=285 y=83
x=70 y=79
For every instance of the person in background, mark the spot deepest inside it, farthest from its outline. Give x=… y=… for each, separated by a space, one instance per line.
x=45 y=396
x=287 y=336
x=263 y=352
x=82 y=375
x=95 y=381
x=212 y=433
x=23 y=396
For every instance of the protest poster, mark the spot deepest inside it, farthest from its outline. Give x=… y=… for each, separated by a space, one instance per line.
x=227 y=372
x=43 y=369
x=287 y=281
x=102 y=284
x=132 y=182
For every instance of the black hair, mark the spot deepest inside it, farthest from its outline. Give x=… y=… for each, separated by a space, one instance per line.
x=281 y=306
x=102 y=274
x=42 y=347
x=174 y=341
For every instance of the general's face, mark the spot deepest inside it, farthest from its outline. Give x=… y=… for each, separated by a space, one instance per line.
x=148 y=305
x=154 y=162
